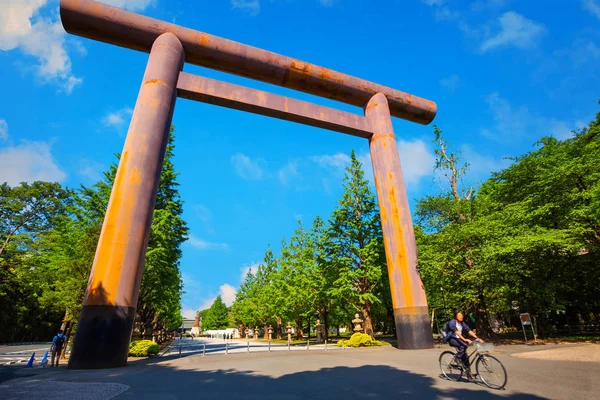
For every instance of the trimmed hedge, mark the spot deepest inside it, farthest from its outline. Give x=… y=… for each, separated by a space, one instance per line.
x=143 y=348
x=359 y=340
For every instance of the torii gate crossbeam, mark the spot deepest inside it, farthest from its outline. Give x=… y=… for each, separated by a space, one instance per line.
x=107 y=317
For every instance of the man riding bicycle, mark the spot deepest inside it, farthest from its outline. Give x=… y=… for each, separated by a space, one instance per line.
x=454 y=334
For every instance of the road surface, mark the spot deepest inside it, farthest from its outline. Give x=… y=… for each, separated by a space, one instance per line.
x=375 y=373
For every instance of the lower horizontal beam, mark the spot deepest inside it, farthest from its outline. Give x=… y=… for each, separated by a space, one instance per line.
x=242 y=98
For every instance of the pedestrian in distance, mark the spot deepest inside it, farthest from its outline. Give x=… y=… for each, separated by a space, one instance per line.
x=57 y=345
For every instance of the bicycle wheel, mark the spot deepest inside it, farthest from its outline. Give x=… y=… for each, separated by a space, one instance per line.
x=491 y=371
x=449 y=367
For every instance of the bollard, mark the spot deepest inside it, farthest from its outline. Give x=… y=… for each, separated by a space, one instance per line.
x=269 y=345
x=180 y=349
x=248 y=346
x=203 y=349
x=30 y=363
x=308 y=345
x=288 y=345
x=226 y=348
x=326 y=345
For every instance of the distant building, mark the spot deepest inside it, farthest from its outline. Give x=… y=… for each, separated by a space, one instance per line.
x=187 y=325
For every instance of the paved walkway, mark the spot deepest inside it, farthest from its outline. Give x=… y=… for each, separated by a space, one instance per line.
x=376 y=373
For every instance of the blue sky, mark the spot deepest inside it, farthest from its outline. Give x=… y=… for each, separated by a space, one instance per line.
x=503 y=73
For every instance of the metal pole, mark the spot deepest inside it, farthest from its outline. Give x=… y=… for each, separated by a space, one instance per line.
x=289 y=345
x=203 y=349
x=248 y=346
x=408 y=295
x=226 y=348
x=269 y=345
x=107 y=316
x=308 y=345
x=326 y=345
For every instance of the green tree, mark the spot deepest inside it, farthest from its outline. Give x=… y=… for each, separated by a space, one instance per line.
x=356 y=248
x=27 y=213
x=217 y=316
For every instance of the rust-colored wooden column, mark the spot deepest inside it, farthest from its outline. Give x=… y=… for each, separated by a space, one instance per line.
x=408 y=294
x=107 y=317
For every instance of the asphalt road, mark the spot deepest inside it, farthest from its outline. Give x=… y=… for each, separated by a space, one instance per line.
x=382 y=373
x=19 y=354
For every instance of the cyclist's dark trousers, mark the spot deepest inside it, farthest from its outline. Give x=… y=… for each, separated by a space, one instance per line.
x=461 y=346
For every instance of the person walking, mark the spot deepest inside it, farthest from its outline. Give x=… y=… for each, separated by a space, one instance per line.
x=57 y=345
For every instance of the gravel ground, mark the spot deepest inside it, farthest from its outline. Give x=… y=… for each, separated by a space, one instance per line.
x=33 y=388
x=588 y=353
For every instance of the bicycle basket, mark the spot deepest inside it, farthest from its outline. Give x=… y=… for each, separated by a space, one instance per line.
x=484 y=347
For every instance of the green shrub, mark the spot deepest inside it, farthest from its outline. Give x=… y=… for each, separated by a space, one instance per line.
x=359 y=340
x=143 y=348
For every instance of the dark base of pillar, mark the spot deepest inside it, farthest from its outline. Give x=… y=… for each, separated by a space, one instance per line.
x=413 y=328
x=102 y=338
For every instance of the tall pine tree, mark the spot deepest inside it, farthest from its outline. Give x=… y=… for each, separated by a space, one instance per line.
x=356 y=244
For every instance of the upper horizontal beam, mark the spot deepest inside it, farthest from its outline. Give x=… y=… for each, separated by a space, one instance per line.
x=225 y=94
x=113 y=25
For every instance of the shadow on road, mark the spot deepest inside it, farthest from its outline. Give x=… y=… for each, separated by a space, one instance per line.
x=372 y=381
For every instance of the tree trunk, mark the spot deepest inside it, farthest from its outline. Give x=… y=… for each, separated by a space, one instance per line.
x=367 y=323
x=279 y=323
x=326 y=323
x=266 y=332
x=483 y=322
x=299 y=333
x=68 y=330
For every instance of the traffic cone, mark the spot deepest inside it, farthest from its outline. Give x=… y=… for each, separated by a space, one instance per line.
x=30 y=363
x=44 y=360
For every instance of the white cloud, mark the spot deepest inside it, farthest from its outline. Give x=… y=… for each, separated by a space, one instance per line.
x=593 y=6
x=480 y=165
x=117 y=118
x=227 y=293
x=133 y=5
x=451 y=83
x=3 y=129
x=288 y=172
x=251 y=7
x=29 y=162
x=252 y=268
x=515 y=123
x=515 y=30
x=188 y=313
x=416 y=159
x=205 y=245
x=21 y=27
x=337 y=161
x=91 y=169
x=247 y=168
x=205 y=305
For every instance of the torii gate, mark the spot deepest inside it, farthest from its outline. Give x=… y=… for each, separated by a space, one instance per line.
x=107 y=316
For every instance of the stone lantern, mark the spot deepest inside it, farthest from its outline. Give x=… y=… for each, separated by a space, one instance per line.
x=270 y=332
x=357 y=323
x=319 y=329
x=289 y=331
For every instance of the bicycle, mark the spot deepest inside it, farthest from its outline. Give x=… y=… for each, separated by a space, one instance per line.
x=489 y=369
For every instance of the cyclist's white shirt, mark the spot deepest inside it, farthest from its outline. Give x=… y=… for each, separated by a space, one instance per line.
x=459 y=328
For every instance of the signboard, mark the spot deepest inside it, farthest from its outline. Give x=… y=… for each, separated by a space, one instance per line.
x=525 y=319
